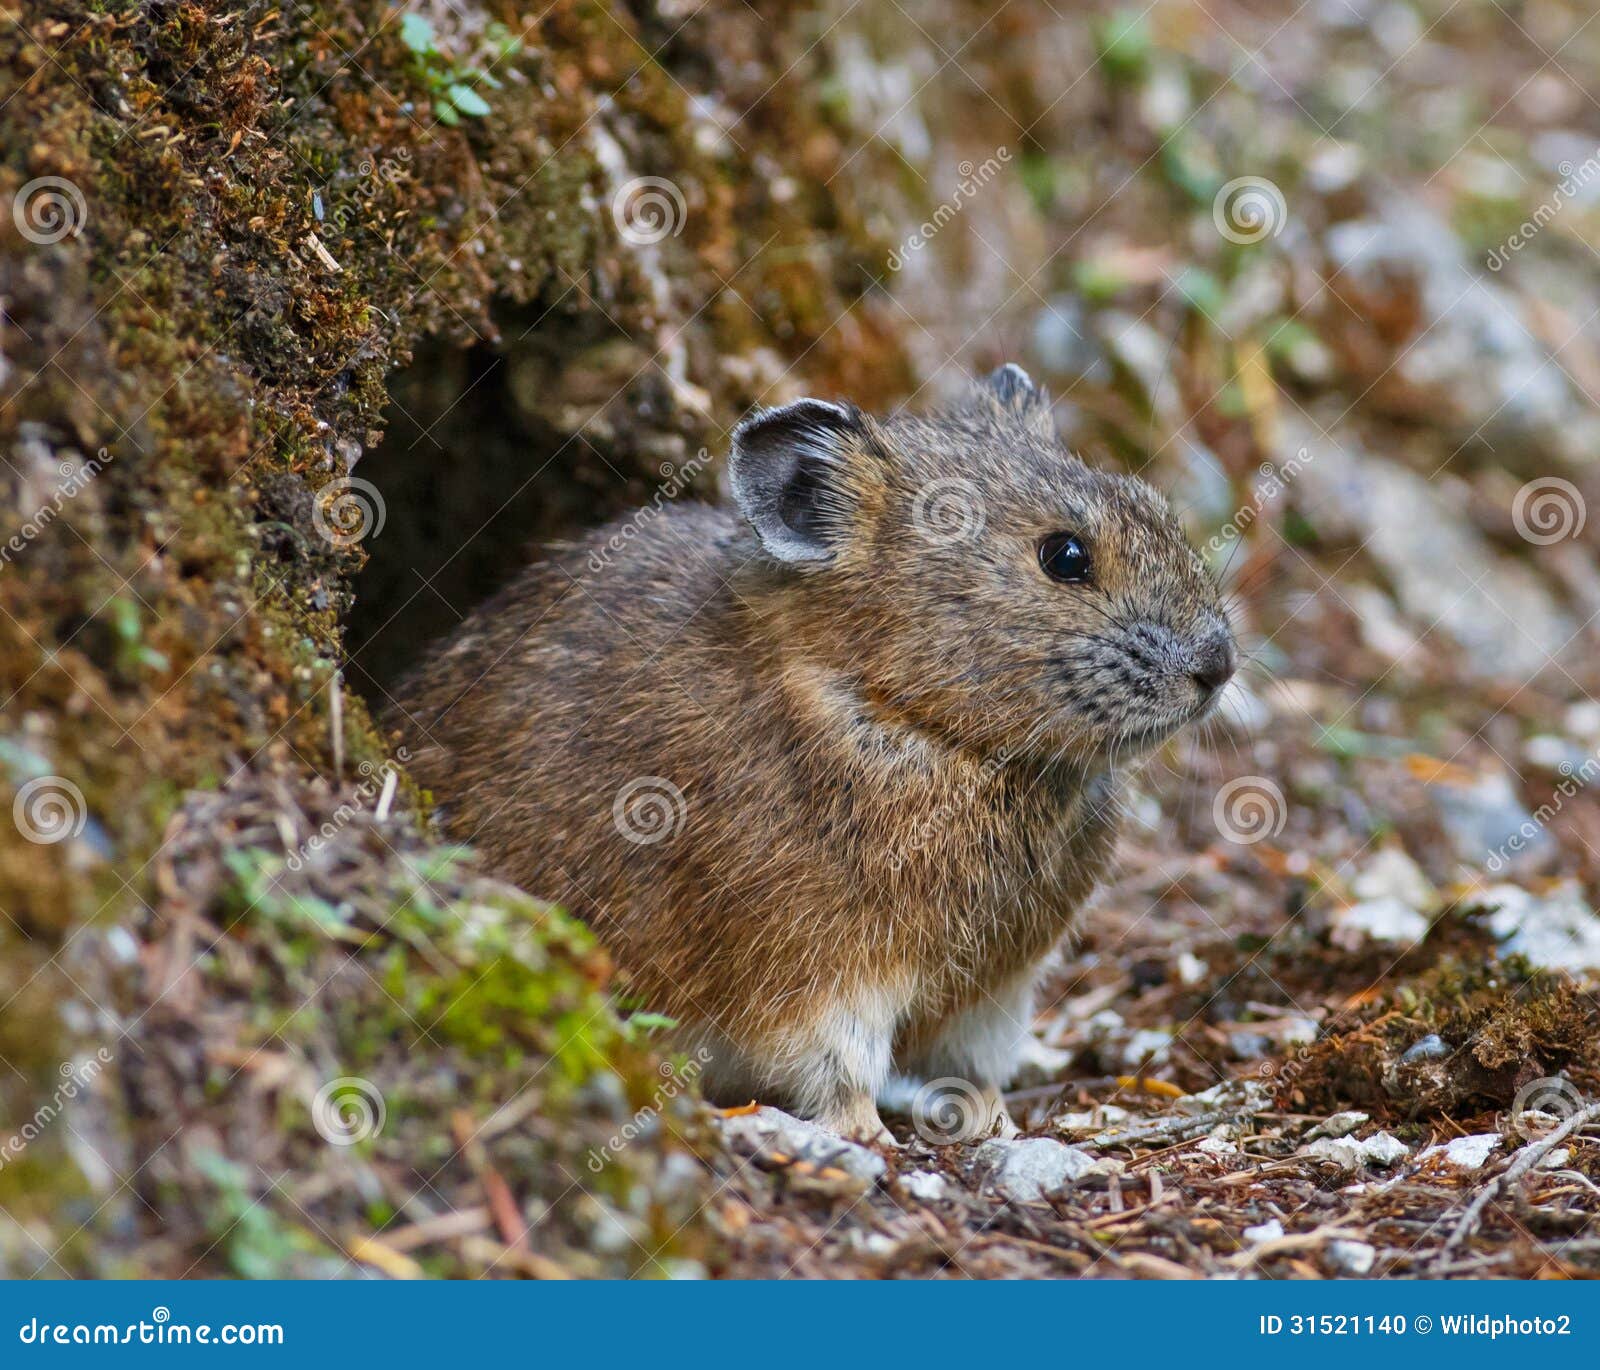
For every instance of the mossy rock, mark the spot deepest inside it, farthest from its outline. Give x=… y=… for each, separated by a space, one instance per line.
x=231 y=229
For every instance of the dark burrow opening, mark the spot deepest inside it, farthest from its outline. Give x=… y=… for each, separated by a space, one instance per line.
x=490 y=453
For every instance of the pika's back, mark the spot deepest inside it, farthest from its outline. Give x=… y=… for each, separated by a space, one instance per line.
x=559 y=662
x=623 y=586
x=601 y=704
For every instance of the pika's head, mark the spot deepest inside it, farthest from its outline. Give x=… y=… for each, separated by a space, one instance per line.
x=976 y=580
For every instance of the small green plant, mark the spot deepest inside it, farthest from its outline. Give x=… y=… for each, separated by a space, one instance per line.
x=643 y=1024
x=1202 y=291
x=1124 y=45
x=454 y=84
x=133 y=654
x=1040 y=178
x=1098 y=280
x=258 y=1244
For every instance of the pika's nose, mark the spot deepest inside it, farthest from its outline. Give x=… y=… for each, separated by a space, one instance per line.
x=1214 y=663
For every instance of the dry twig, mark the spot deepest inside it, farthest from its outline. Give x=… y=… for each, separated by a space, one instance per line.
x=1520 y=1165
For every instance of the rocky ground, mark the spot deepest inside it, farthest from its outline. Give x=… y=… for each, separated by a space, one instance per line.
x=1325 y=271
x=1337 y=1013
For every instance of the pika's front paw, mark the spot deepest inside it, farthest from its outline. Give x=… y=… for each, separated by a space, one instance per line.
x=1003 y=1125
x=857 y=1119
x=994 y=1119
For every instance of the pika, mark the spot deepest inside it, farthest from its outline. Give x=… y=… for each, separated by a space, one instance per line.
x=832 y=768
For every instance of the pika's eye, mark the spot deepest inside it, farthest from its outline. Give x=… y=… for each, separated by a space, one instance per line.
x=1064 y=557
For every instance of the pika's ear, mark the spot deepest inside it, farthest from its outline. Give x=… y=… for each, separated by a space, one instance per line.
x=1013 y=390
x=789 y=470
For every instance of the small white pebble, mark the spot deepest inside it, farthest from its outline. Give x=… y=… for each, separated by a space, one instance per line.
x=927 y=1185
x=1147 y=1046
x=1268 y=1231
x=1380 y=1150
x=1352 y=1258
x=1391 y=874
x=1378 y=920
x=1383 y=1150
x=1465 y=1153
x=1092 y=1120
x=1583 y=719
x=872 y=1243
x=1344 y=1152
x=1298 y=1032
x=122 y=946
x=1549 y=752
x=1338 y=1125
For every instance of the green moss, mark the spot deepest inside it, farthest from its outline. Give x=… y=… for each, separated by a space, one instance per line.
x=270 y=229
x=255 y=1241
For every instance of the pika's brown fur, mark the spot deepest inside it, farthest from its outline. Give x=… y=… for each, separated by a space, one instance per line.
x=833 y=768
